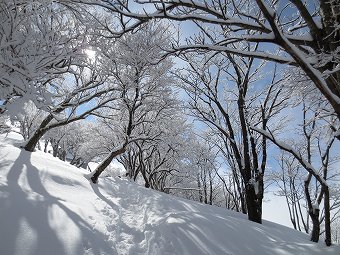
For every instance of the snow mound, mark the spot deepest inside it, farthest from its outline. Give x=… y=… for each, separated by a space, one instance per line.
x=49 y=207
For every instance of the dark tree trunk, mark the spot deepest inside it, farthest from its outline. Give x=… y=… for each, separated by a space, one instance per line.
x=199 y=188
x=45 y=146
x=243 y=202
x=328 y=233
x=73 y=160
x=136 y=172
x=259 y=195
x=79 y=162
x=55 y=150
x=147 y=184
x=205 y=189
x=146 y=181
x=134 y=176
x=39 y=146
x=253 y=206
x=32 y=142
x=211 y=189
x=106 y=162
x=62 y=155
x=313 y=212
x=314 y=215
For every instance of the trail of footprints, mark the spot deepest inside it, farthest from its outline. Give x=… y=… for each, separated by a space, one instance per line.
x=124 y=230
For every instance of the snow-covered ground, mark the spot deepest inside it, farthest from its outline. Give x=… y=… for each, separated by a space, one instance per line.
x=48 y=207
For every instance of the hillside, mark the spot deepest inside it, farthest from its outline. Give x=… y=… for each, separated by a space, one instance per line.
x=49 y=207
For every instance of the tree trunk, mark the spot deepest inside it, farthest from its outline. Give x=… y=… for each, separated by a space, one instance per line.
x=146 y=181
x=73 y=160
x=199 y=188
x=106 y=162
x=79 y=162
x=328 y=233
x=39 y=146
x=243 y=203
x=32 y=142
x=55 y=149
x=314 y=214
x=62 y=155
x=211 y=189
x=45 y=146
x=254 y=211
x=254 y=205
x=205 y=190
x=136 y=174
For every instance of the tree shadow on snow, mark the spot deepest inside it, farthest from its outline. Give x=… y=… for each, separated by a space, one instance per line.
x=209 y=230
x=121 y=229
x=34 y=206
x=185 y=227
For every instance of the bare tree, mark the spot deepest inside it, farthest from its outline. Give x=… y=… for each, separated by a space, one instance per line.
x=155 y=157
x=291 y=186
x=75 y=90
x=228 y=109
x=143 y=83
x=301 y=33
x=322 y=139
x=207 y=171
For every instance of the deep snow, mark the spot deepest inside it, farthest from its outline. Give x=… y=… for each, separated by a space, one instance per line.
x=48 y=207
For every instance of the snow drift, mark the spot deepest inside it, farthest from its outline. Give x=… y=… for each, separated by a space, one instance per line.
x=49 y=207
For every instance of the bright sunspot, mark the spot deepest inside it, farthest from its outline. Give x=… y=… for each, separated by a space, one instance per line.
x=91 y=54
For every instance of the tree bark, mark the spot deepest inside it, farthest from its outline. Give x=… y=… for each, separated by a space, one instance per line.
x=254 y=210
x=254 y=206
x=45 y=146
x=328 y=233
x=62 y=155
x=199 y=188
x=55 y=147
x=313 y=212
x=32 y=142
x=211 y=189
x=106 y=162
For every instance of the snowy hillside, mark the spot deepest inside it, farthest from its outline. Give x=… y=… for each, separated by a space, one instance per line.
x=49 y=207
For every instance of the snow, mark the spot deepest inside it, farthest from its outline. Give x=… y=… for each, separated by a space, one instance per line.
x=49 y=207
x=141 y=14
x=296 y=154
x=256 y=54
x=316 y=73
x=115 y=169
x=269 y=9
x=255 y=184
x=256 y=187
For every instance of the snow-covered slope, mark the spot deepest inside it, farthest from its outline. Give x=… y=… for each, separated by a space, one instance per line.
x=49 y=207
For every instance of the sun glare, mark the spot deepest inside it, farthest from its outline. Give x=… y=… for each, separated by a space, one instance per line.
x=91 y=54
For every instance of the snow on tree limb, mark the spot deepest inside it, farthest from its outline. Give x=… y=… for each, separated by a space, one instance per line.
x=296 y=154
